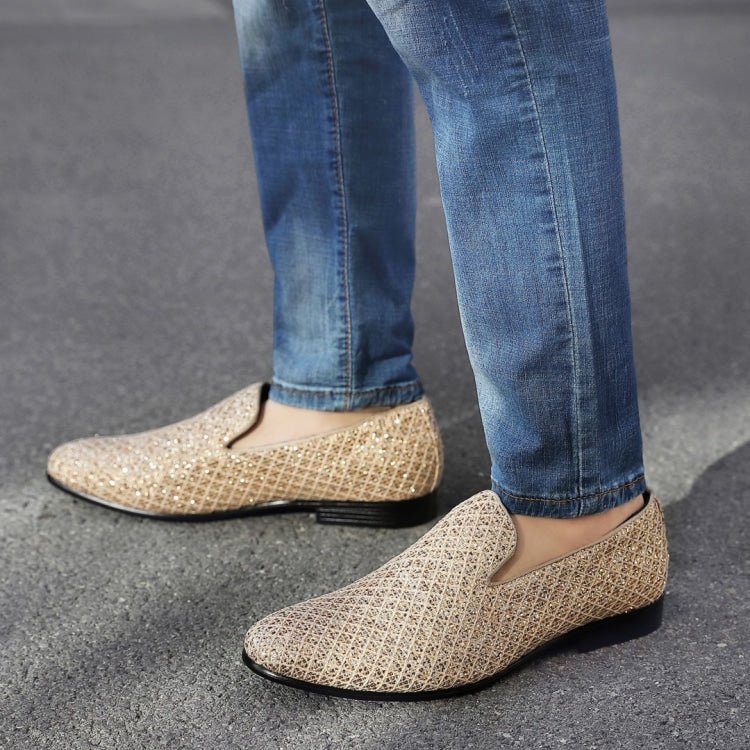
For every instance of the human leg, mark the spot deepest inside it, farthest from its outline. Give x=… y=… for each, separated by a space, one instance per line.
x=335 y=162
x=522 y=101
x=535 y=219
x=330 y=109
x=524 y=92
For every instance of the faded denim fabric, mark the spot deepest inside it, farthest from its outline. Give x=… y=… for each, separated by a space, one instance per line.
x=331 y=113
x=522 y=99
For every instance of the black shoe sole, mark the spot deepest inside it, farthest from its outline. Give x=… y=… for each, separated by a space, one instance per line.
x=380 y=513
x=599 y=634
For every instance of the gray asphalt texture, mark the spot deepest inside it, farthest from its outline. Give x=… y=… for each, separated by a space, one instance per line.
x=135 y=290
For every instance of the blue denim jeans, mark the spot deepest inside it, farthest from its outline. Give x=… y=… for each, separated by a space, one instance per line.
x=522 y=100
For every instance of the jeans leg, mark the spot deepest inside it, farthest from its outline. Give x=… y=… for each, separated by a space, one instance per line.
x=522 y=99
x=330 y=108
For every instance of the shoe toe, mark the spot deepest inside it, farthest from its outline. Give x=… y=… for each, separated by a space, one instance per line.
x=295 y=644
x=274 y=646
x=97 y=468
x=71 y=463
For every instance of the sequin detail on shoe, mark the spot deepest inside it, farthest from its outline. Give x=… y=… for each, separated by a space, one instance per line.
x=188 y=469
x=431 y=619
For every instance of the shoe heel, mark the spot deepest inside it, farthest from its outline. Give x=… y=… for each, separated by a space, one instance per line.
x=621 y=628
x=389 y=513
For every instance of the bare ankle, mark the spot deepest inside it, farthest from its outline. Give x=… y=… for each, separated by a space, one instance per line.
x=280 y=423
x=542 y=539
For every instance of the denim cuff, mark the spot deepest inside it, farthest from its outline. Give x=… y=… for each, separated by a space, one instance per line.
x=570 y=508
x=333 y=399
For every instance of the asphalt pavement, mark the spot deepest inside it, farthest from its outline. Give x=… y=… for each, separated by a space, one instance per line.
x=135 y=290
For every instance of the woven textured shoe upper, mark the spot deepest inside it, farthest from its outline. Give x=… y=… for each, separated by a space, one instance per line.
x=431 y=619
x=188 y=468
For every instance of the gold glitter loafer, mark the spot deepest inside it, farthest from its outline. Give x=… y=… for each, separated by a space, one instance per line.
x=431 y=623
x=380 y=472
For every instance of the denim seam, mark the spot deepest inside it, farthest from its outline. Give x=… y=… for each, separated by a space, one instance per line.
x=566 y=282
x=344 y=232
x=639 y=478
x=365 y=391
